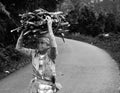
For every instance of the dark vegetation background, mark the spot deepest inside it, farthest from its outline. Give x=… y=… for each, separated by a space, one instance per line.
x=97 y=23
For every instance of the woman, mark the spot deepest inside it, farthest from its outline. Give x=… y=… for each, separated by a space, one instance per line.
x=43 y=57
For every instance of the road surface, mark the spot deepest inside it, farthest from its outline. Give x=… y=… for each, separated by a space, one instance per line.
x=81 y=68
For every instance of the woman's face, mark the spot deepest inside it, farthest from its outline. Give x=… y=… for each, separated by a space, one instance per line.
x=43 y=45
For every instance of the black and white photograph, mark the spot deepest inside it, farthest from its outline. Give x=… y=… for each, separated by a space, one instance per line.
x=59 y=46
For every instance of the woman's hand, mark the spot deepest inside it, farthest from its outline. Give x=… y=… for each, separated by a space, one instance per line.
x=49 y=21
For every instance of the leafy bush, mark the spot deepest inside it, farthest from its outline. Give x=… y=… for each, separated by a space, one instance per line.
x=11 y=60
x=87 y=21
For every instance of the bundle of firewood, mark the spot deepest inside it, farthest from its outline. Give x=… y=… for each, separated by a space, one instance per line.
x=36 y=22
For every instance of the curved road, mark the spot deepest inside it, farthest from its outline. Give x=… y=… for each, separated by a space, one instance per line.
x=81 y=68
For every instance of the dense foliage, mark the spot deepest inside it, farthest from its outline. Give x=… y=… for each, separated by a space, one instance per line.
x=89 y=22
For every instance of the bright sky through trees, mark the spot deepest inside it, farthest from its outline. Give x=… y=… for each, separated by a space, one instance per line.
x=96 y=1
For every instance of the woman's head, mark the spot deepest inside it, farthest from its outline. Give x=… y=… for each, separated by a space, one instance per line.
x=43 y=44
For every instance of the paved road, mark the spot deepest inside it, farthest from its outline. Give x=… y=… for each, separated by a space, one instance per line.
x=81 y=68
